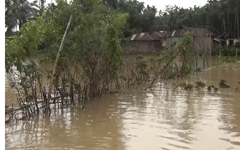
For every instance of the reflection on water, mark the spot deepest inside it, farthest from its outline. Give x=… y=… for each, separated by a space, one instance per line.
x=162 y=118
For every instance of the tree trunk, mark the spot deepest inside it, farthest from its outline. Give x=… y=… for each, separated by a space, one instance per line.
x=237 y=17
x=55 y=64
x=220 y=52
x=236 y=55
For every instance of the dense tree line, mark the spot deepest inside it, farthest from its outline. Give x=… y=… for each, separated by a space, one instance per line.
x=222 y=16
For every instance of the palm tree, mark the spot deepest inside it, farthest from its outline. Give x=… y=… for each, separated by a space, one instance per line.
x=17 y=12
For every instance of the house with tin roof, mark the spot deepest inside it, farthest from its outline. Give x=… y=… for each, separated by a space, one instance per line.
x=202 y=37
x=146 y=42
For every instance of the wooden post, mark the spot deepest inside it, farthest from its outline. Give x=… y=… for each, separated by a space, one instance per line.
x=237 y=17
x=236 y=55
x=71 y=92
x=196 y=65
x=211 y=50
x=12 y=109
x=55 y=65
x=207 y=61
x=35 y=98
x=220 y=52
x=204 y=63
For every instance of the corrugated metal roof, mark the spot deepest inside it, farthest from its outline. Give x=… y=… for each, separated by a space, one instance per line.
x=134 y=35
x=148 y=36
x=195 y=31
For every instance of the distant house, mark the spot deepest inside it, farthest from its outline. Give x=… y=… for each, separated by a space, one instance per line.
x=233 y=42
x=146 y=42
x=202 y=37
x=218 y=43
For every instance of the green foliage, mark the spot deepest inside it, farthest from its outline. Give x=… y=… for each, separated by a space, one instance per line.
x=227 y=59
x=219 y=16
x=200 y=84
x=24 y=46
x=186 y=52
x=18 y=12
x=230 y=51
x=226 y=51
x=93 y=43
x=139 y=17
x=142 y=68
x=113 y=46
x=222 y=84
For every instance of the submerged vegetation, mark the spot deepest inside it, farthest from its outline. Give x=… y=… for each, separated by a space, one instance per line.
x=222 y=84
x=91 y=48
x=82 y=41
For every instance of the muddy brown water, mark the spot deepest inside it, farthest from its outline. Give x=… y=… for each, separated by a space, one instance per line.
x=161 y=118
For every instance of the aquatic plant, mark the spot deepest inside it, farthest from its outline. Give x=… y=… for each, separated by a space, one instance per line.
x=222 y=84
x=237 y=87
x=200 y=84
x=142 y=69
x=214 y=88
x=209 y=88
x=188 y=87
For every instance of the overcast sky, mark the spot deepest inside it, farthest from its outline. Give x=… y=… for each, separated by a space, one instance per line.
x=160 y=4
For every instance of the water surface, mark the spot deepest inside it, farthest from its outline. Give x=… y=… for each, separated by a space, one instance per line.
x=161 y=118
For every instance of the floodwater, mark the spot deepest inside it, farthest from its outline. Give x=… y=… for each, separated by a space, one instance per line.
x=161 y=118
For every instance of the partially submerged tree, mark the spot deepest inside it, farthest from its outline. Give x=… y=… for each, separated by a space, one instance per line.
x=91 y=58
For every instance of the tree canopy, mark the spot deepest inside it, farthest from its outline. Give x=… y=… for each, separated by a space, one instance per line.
x=221 y=16
x=18 y=12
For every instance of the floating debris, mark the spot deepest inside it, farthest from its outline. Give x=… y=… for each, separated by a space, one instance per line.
x=83 y=106
x=222 y=84
x=200 y=84
x=188 y=87
x=209 y=88
x=182 y=84
x=113 y=92
x=215 y=89
x=237 y=88
x=199 y=69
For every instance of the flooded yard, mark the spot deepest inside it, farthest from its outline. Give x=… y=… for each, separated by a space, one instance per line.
x=160 y=118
